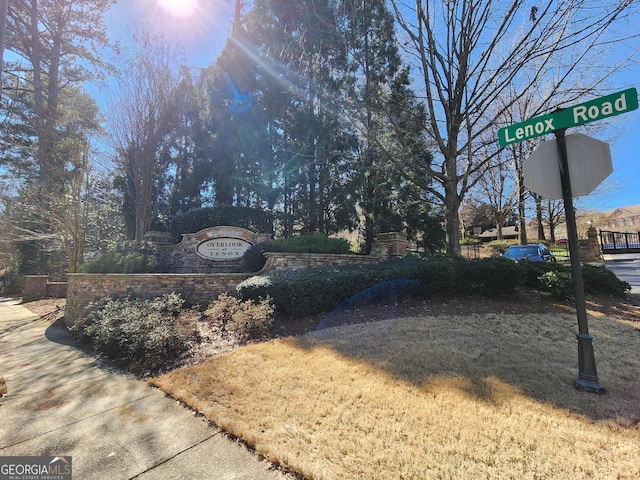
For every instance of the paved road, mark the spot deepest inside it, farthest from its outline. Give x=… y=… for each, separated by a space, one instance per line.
x=60 y=402
x=627 y=269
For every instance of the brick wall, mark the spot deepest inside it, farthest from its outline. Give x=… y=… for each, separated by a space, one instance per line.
x=287 y=262
x=82 y=289
x=57 y=289
x=37 y=287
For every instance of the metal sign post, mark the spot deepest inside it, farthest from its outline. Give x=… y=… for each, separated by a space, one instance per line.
x=588 y=376
x=557 y=123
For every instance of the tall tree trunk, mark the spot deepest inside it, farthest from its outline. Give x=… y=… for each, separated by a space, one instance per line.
x=451 y=218
x=522 y=220
x=313 y=198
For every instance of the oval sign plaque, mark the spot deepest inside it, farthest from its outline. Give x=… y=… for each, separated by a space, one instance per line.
x=222 y=248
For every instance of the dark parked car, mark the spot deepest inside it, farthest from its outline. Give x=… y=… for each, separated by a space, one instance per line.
x=535 y=252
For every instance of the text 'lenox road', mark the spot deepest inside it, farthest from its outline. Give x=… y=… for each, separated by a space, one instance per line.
x=597 y=109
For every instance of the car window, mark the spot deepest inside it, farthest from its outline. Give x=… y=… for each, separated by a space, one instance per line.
x=521 y=252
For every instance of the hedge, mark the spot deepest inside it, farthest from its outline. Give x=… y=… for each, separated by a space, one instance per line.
x=318 y=290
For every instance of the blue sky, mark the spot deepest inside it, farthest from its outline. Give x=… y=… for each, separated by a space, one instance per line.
x=622 y=187
x=203 y=35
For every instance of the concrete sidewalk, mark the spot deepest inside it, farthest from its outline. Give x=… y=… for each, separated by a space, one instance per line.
x=60 y=402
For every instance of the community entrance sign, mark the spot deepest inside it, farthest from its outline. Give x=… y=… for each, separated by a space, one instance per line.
x=603 y=107
x=222 y=248
x=549 y=164
x=219 y=249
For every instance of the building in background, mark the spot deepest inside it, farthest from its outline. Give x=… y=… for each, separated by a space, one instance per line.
x=625 y=219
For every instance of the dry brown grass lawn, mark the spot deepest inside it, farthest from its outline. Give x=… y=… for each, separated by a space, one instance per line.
x=456 y=396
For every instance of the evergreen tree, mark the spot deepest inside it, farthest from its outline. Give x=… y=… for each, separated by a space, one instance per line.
x=372 y=63
x=299 y=57
x=56 y=42
x=378 y=99
x=187 y=175
x=48 y=121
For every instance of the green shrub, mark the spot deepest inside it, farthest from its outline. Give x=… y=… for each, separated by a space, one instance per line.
x=141 y=335
x=489 y=276
x=11 y=281
x=128 y=257
x=533 y=272
x=255 y=288
x=306 y=292
x=254 y=259
x=557 y=279
x=599 y=279
x=310 y=291
x=316 y=290
x=437 y=274
x=244 y=320
x=311 y=243
x=469 y=241
x=558 y=283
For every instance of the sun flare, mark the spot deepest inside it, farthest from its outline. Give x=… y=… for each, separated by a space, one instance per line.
x=179 y=8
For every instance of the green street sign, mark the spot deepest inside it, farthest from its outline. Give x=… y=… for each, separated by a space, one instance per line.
x=603 y=107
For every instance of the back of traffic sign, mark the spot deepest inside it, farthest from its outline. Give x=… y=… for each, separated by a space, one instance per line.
x=589 y=164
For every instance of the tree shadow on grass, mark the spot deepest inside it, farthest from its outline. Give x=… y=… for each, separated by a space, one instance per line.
x=535 y=353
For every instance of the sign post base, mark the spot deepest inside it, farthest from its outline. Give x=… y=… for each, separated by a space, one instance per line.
x=587 y=380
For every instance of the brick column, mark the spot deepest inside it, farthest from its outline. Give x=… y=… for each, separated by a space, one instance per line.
x=35 y=288
x=392 y=244
x=589 y=248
